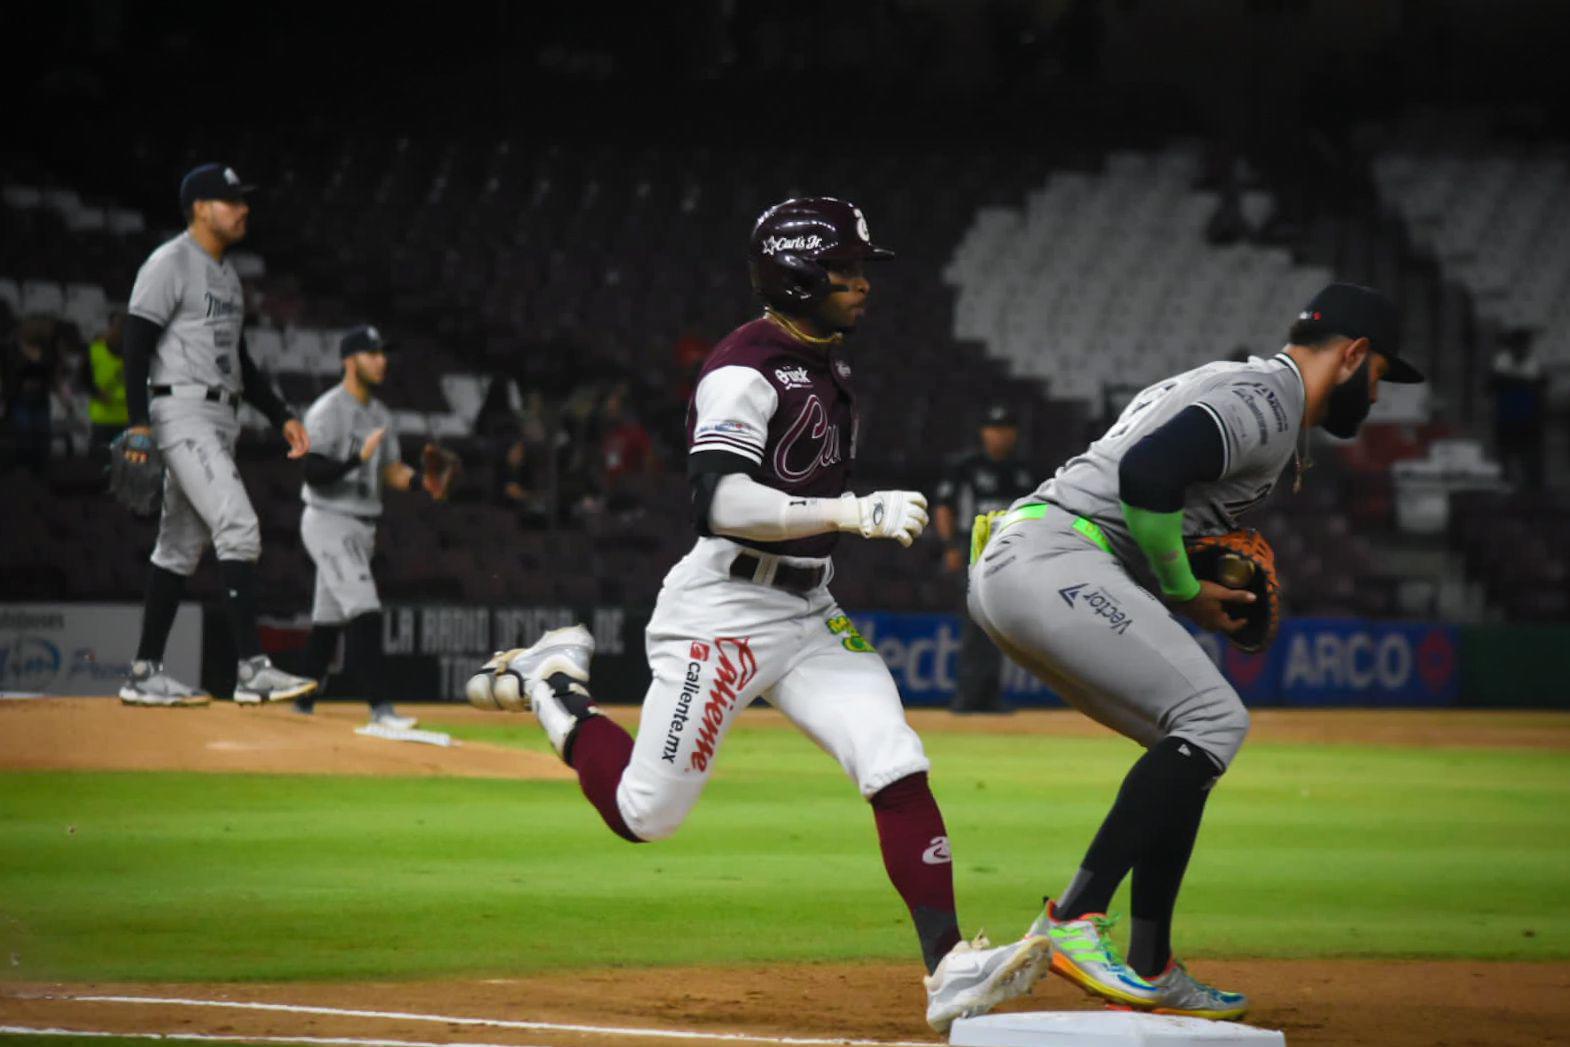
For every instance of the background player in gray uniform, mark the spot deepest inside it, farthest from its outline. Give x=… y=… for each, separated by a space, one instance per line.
x=1065 y=585
x=354 y=454
x=186 y=369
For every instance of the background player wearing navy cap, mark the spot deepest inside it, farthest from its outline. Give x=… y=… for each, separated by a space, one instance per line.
x=980 y=481
x=772 y=431
x=355 y=453
x=1066 y=581
x=186 y=370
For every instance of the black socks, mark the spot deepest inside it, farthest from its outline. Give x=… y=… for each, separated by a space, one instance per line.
x=239 y=580
x=362 y=675
x=319 y=647
x=1158 y=874
x=1151 y=830
x=362 y=656
x=164 y=589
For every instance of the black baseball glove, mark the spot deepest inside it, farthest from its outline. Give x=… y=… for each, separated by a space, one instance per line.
x=137 y=485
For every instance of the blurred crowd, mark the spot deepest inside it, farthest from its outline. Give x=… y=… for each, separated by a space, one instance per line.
x=566 y=459
x=59 y=393
x=560 y=454
x=556 y=458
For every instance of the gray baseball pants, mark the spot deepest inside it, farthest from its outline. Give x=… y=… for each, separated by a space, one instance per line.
x=1069 y=612
x=204 y=498
x=341 y=546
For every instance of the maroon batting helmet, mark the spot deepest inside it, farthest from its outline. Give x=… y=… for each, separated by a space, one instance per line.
x=793 y=241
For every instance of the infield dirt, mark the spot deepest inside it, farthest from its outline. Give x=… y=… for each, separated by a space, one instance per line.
x=1316 y=1003
x=100 y=734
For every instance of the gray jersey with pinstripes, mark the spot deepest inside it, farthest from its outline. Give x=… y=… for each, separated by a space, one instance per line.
x=338 y=426
x=200 y=306
x=1258 y=406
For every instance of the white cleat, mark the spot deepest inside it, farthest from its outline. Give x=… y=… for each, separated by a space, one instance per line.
x=258 y=681
x=565 y=651
x=388 y=717
x=481 y=688
x=974 y=977
x=149 y=685
x=549 y=678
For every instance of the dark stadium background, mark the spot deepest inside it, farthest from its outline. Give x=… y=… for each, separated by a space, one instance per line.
x=558 y=196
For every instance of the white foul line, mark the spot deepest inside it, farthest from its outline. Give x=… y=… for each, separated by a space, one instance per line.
x=499 y=1023
x=212 y=1037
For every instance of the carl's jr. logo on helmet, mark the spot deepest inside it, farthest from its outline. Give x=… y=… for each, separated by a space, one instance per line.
x=861 y=226
x=230 y=176
x=775 y=244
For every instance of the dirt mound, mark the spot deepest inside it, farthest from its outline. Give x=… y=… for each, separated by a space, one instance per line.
x=100 y=734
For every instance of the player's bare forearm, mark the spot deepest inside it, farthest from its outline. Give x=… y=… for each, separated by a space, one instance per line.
x=398 y=475
x=944 y=519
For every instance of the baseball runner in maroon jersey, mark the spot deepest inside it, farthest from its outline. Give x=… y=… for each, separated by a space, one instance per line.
x=748 y=614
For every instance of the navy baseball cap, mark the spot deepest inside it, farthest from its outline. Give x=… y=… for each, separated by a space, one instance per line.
x=998 y=414
x=362 y=339
x=1362 y=312
x=211 y=182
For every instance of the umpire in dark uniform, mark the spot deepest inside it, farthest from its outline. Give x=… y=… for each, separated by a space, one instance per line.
x=980 y=482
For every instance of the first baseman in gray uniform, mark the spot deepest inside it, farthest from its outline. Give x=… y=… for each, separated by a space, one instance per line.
x=354 y=454
x=186 y=370
x=1066 y=584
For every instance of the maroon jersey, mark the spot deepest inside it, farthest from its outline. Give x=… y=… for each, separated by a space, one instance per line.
x=787 y=408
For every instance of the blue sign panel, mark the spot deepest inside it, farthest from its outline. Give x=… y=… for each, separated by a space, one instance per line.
x=1314 y=662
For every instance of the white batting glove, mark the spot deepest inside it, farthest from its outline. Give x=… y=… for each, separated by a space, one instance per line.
x=899 y=515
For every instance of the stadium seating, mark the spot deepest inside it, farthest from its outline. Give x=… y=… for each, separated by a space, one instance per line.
x=566 y=268
x=1495 y=215
x=1107 y=279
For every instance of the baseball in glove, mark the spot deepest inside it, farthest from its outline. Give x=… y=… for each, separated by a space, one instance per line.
x=439 y=471
x=1243 y=560
x=137 y=485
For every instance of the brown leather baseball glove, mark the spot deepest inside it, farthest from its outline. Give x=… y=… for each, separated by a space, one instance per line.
x=1243 y=560
x=439 y=471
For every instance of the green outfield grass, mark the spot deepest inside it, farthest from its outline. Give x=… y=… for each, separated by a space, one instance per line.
x=1306 y=851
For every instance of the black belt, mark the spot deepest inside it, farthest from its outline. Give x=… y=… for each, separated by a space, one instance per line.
x=212 y=393
x=372 y=520
x=786 y=576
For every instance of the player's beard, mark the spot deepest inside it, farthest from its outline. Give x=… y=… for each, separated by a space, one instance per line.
x=232 y=233
x=367 y=379
x=1349 y=404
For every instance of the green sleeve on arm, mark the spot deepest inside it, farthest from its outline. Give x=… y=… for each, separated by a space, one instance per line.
x=1160 y=537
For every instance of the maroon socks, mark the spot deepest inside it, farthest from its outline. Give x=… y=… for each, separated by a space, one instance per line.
x=599 y=750
x=910 y=830
x=916 y=855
